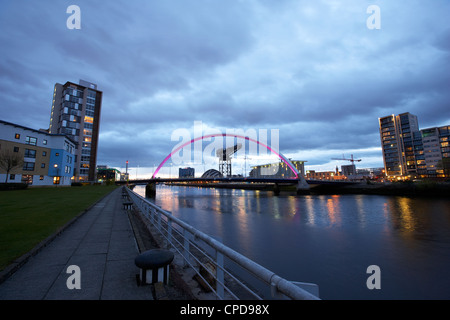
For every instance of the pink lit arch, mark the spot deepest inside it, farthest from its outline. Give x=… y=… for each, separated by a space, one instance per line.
x=286 y=160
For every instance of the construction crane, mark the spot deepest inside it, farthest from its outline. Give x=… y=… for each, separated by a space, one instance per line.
x=224 y=156
x=351 y=160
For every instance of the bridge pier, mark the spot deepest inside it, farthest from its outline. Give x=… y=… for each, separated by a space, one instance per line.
x=302 y=187
x=150 y=190
x=276 y=189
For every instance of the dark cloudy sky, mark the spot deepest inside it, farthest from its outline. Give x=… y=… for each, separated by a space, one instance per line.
x=311 y=69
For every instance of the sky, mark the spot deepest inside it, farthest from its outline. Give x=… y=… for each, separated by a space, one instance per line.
x=312 y=71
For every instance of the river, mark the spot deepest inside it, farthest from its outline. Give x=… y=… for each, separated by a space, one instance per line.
x=329 y=240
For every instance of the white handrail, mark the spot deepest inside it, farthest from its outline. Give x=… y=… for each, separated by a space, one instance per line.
x=279 y=286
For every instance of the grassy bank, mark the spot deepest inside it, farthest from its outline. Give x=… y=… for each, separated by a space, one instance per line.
x=29 y=216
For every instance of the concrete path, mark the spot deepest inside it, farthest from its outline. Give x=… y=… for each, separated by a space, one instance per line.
x=101 y=243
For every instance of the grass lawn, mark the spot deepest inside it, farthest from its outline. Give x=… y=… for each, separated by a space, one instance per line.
x=29 y=216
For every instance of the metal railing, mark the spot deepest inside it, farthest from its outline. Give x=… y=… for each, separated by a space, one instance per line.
x=212 y=260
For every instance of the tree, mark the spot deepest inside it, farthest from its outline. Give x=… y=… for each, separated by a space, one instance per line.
x=9 y=161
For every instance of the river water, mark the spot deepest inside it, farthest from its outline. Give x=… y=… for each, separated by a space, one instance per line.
x=329 y=240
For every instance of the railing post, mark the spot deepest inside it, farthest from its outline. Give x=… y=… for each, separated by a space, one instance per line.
x=219 y=275
x=169 y=232
x=186 y=247
x=159 y=220
x=152 y=216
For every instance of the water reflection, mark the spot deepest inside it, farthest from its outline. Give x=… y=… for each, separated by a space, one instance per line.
x=329 y=240
x=403 y=214
x=333 y=210
x=310 y=204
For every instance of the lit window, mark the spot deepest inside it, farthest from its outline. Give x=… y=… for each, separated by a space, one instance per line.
x=31 y=141
x=88 y=119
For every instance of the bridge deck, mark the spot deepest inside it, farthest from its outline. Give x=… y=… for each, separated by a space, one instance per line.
x=234 y=180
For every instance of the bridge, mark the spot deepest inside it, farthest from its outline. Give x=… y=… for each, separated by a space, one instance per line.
x=302 y=185
x=235 y=182
x=292 y=181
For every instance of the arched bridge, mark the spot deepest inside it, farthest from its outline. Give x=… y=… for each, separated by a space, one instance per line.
x=298 y=179
x=297 y=175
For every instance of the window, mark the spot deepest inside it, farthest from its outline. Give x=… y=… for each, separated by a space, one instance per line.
x=88 y=119
x=42 y=165
x=31 y=141
x=12 y=177
x=17 y=136
x=44 y=153
x=44 y=142
x=28 y=179
x=16 y=149
x=41 y=178
x=29 y=153
x=28 y=166
x=57 y=154
x=55 y=180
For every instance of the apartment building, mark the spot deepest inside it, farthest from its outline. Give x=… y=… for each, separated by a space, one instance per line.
x=44 y=158
x=411 y=152
x=76 y=113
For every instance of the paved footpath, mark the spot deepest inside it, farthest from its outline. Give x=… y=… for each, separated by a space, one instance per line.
x=101 y=243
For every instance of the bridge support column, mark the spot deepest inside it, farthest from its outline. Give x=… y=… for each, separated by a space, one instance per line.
x=150 y=190
x=276 y=189
x=302 y=187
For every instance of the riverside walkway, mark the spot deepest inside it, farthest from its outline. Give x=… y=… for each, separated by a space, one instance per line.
x=103 y=242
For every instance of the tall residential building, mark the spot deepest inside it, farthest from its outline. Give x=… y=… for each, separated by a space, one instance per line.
x=436 y=148
x=76 y=113
x=408 y=151
x=398 y=145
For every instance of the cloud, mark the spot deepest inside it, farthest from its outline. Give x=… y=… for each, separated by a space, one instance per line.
x=311 y=69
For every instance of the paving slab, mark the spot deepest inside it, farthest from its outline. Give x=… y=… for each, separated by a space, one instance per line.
x=101 y=243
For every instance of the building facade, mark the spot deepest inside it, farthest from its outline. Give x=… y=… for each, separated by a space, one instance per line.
x=277 y=170
x=45 y=159
x=398 y=144
x=104 y=173
x=76 y=110
x=186 y=172
x=411 y=152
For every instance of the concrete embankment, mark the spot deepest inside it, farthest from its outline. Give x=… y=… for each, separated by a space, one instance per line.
x=423 y=189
